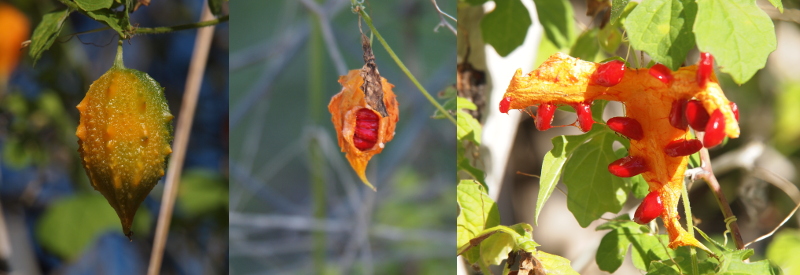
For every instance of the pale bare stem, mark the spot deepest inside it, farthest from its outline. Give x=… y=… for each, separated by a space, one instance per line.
x=789 y=15
x=327 y=34
x=442 y=21
x=712 y=182
x=776 y=228
x=182 y=130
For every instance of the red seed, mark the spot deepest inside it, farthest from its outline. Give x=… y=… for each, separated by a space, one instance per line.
x=626 y=126
x=735 y=110
x=627 y=167
x=676 y=115
x=585 y=119
x=715 y=130
x=366 y=130
x=544 y=116
x=704 y=68
x=696 y=115
x=682 y=147
x=650 y=208
x=504 y=104
x=610 y=73
x=661 y=72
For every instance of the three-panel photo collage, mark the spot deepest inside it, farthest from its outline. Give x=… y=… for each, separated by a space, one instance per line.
x=339 y=137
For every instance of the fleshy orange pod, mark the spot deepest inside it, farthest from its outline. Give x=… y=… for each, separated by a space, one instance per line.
x=360 y=129
x=661 y=154
x=15 y=30
x=124 y=137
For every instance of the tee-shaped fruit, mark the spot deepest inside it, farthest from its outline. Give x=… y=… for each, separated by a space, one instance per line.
x=653 y=98
x=124 y=137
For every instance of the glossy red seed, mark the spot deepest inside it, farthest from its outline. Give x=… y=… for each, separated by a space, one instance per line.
x=696 y=115
x=585 y=119
x=504 y=104
x=661 y=72
x=677 y=118
x=366 y=129
x=610 y=73
x=715 y=130
x=650 y=208
x=626 y=126
x=735 y=110
x=704 y=68
x=682 y=147
x=544 y=116
x=627 y=167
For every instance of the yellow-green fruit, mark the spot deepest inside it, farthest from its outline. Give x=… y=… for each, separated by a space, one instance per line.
x=124 y=137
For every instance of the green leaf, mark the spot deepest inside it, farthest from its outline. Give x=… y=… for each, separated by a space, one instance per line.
x=738 y=33
x=215 y=6
x=592 y=189
x=777 y=4
x=663 y=29
x=117 y=21
x=648 y=248
x=467 y=127
x=495 y=248
x=16 y=154
x=46 y=32
x=506 y=26
x=71 y=224
x=609 y=38
x=553 y=164
x=477 y=211
x=586 y=47
x=612 y=250
x=474 y=2
x=557 y=19
x=731 y=263
x=659 y=268
x=524 y=239
x=787 y=130
x=639 y=187
x=784 y=248
x=620 y=10
x=465 y=164
x=91 y=5
x=449 y=95
x=554 y=264
x=202 y=191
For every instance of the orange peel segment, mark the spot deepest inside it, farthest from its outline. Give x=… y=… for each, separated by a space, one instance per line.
x=343 y=108
x=563 y=79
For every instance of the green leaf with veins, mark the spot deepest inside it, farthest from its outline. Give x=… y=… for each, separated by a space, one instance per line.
x=663 y=29
x=592 y=190
x=738 y=33
x=506 y=26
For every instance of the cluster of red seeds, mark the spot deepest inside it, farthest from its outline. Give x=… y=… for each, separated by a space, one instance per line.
x=366 y=131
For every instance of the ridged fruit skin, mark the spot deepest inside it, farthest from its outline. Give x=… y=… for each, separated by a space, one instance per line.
x=124 y=137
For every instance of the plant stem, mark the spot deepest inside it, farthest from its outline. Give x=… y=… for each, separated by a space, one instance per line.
x=182 y=130
x=427 y=95
x=189 y=26
x=712 y=182
x=690 y=226
x=316 y=159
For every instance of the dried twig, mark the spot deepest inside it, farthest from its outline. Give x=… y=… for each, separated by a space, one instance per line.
x=442 y=21
x=184 y=127
x=712 y=182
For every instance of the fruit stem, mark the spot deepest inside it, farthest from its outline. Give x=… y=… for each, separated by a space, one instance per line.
x=118 y=63
x=368 y=20
x=712 y=182
x=689 y=226
x=189 y=26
